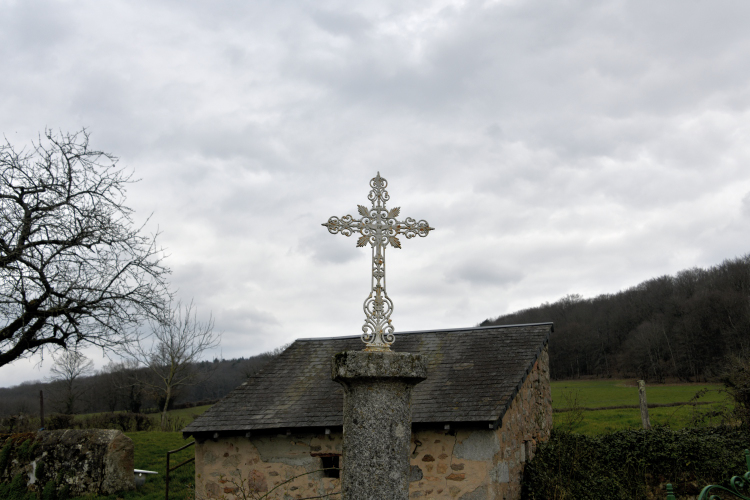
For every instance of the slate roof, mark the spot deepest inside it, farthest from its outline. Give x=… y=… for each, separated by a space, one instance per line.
x=473 y=374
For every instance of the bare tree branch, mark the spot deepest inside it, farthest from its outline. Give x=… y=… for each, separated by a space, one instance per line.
x=179 y=339
x=73 y=266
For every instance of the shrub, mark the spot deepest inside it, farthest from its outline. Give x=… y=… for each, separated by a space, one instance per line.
x=23 y=450
x=126 y=422
x=62 y=488
x=736 y=378
x=9 y=423
x=175 y=423
x=16 y=490
x=59 y=421
x=64 y=492
x=5 y=455
x=50 y=491
x=18 y=423
x=39 y=472
x=634 y=464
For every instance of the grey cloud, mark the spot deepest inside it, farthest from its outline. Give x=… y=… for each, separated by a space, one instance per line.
x=36 y=28
x=483 y=272
x=745 y=207
x=341 y=23
x=246 y=319
x=330 y=248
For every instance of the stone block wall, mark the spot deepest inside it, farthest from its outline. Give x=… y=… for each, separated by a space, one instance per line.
x=92 y=461
x=466 y=463
x=286 y=466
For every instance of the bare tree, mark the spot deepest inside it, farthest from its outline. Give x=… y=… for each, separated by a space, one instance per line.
x=73 y=267
x=129 y=382
x=69 y=367
x=179 y=339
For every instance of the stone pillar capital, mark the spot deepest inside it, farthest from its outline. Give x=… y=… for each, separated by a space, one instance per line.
x=353 y=365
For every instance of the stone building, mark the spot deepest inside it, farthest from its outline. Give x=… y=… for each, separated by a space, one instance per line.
x=477 y=419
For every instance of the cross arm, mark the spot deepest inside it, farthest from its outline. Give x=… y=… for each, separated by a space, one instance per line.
x=345 y=225
x=410 y=228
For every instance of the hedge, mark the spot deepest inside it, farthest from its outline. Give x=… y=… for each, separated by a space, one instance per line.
x=634 y=464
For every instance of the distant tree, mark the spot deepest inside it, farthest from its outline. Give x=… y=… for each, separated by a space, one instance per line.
x=119 y=385
x=256 y=363
x=73 y=267
x=67 y=371
x=109 y=387
x=179 y=340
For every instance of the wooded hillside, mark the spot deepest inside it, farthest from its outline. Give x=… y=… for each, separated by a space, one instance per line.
x=680 y=326
x=122 y=387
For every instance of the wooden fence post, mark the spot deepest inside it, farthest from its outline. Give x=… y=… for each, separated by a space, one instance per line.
x=644 y=406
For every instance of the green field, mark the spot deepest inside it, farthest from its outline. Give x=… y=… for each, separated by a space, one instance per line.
x=179 y=419
x=608 y=392
x=188 y=413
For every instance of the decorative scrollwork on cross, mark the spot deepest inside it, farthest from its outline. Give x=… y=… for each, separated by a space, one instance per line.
x=378 y=227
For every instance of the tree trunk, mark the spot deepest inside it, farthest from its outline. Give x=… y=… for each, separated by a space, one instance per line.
x=164 y=411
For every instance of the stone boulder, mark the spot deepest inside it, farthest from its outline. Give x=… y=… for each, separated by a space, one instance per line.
x=90 y=461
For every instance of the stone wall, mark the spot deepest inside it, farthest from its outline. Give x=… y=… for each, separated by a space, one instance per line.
x=474 y=464
x=462 y=463
x=92 y=461
x=237 y=467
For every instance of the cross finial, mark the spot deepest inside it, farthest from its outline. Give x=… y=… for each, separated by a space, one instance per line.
x=379 y=228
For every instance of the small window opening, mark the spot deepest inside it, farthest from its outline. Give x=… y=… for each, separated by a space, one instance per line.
x=331 y=466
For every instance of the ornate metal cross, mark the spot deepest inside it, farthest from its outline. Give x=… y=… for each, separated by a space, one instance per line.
x=380 y=228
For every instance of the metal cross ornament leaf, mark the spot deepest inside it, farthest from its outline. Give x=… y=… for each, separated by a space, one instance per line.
x=379 y=227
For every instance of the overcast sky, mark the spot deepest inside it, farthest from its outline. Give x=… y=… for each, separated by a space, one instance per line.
x=556 y=147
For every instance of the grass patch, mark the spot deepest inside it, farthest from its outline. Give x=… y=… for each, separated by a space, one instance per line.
x=184 y=413
x=187 y=413
x=605 y=421
x=179 y=419
x=609 y=392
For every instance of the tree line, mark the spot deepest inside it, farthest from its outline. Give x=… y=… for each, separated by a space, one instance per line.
x=685 y=326
x=125 y=386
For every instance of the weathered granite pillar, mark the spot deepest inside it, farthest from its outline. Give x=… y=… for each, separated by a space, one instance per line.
x=377 y=421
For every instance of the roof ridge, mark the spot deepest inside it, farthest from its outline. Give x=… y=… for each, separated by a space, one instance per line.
x=471 y=328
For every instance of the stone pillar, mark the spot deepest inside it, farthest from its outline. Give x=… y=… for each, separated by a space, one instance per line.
x=377 y=421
